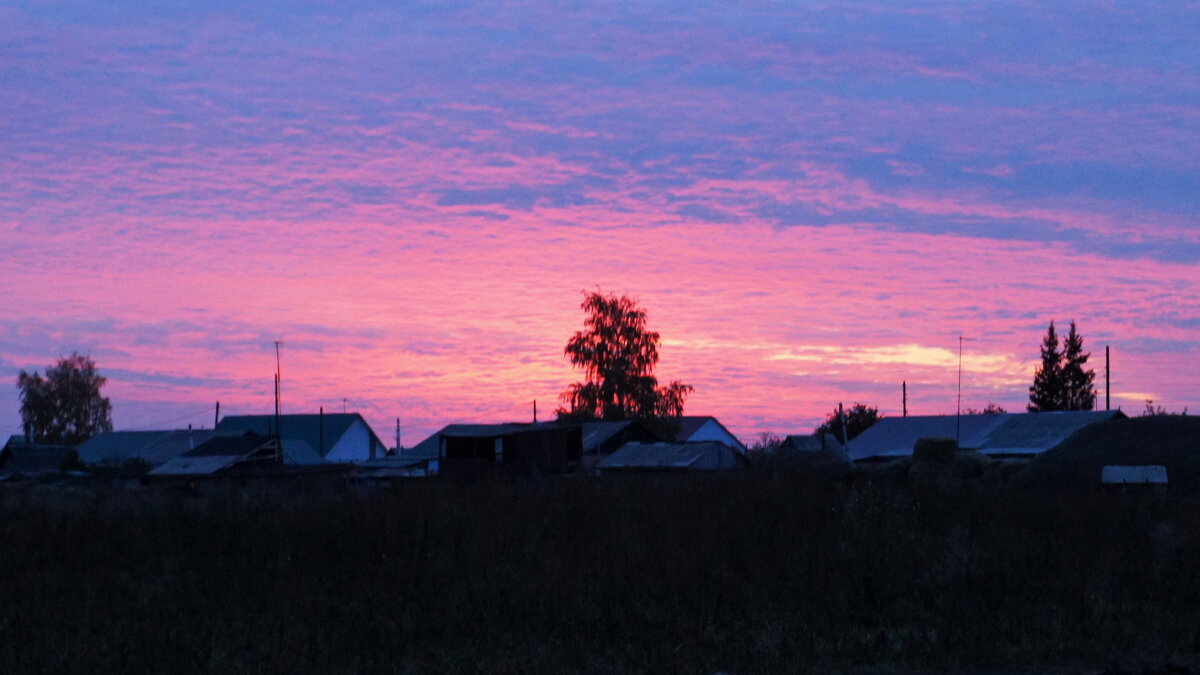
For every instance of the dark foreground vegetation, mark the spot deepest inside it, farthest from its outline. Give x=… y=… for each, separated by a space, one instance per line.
x=745 y=574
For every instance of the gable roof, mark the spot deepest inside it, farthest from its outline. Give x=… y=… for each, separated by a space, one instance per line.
x=690 y=424
x=811 y=442
x=1007 y=433
x=320 y=432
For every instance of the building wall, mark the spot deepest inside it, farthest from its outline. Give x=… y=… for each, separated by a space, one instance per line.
x=354 y=445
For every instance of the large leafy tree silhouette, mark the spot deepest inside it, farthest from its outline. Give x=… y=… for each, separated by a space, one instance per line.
x=617 y=354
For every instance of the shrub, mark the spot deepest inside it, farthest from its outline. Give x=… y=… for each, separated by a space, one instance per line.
x=939 y=450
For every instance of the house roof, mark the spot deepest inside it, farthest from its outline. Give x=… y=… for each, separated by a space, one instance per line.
x=1008 y=433
x=320 y=434
x=33 y=458
x=296 y=451
x=1031 y=433
x=677 y=456
x=596 y=433
x=489 y=430
x=428 y=448
x=15 y=439
x=195 y=466
x=155 y=447
x=690 y=424
x=219 y=452
x=811 y=442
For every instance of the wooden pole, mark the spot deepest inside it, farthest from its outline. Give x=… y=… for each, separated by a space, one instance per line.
x=1107 y=380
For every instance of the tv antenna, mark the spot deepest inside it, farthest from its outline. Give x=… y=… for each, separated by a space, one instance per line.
x=958 y=405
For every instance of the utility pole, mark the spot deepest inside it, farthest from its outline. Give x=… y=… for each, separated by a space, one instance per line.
x=904 y=400
x=398 y=448
x=1107 y=380
x=958 y=405
x=845 y=431
x=344 y=400
x=217 y=415
x=278 y=377
x=278 y=403
x=535 y=411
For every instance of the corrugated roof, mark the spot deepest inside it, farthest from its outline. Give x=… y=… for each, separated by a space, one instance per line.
x=219 y=452
x=1008 y=433
x=221 y=446
x=195 y=466
x=895 y=436
x=705 y=455
x=155 y=447
x=596 y=433
x=1033 y=433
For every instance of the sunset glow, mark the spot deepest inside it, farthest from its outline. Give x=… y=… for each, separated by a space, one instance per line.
x=812 y=203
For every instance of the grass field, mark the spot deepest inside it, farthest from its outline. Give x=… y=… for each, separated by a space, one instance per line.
x=743 y=574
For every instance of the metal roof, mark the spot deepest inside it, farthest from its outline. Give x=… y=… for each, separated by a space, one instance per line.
x=704 y=456
x=155 y=447
x=33 y=458
x=217 y=453
x=296 y=451
x=1007 y=433
x=596 y=433
x=1032 y=433
x=428 y=448
x=811 y=442
x=489 y=430
x=690 y=424
x=195 y=466
x=321 y=432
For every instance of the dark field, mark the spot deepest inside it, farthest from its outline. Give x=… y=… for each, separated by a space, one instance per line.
x=745 y=574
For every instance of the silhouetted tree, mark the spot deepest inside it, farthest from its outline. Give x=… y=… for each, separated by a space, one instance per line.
x=859 y=418
x=1152 y=410
x=1046 y=392
x=766 y=442
x=1061 y=382
x=989 y=409
x=1079 y=392
x=617 y=355
x=65 y=406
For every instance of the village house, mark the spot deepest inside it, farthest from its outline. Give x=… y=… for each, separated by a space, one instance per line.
x=334 y=437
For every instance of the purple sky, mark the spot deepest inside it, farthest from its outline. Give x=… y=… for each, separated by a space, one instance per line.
x=811 y=201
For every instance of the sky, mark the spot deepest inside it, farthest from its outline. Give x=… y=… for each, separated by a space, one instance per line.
x=812 y=201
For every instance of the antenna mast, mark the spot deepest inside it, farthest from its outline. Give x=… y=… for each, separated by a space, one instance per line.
x=278 y=403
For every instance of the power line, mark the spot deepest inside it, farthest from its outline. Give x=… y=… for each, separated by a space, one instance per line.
x=151 y=426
